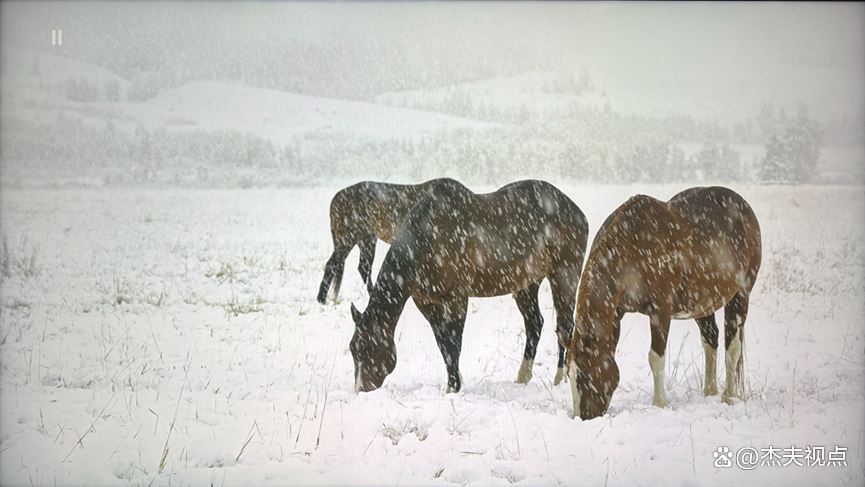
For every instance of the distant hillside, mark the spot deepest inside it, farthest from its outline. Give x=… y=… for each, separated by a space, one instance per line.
x=280 y=116
x=27 y=74
x=66 y=120
x=700 y=91
x=36 y=85
x=536 y=92
x=709 y=90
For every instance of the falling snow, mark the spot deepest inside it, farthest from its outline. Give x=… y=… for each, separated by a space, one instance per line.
x=171 y=175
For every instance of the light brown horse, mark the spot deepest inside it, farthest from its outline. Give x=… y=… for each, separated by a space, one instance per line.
x=456 y=244
x=361 y=213
x=683 y=259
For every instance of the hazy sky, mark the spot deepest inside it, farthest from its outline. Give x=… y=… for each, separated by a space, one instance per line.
x=809 y=32
x=357 y=50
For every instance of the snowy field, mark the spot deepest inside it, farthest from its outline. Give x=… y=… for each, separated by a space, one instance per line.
x=173 y=338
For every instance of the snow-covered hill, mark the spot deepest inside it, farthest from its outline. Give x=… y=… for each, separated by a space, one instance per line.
x=698 y=90
x=278 y=116
x=27 y=73
x=34 y=85
x=711 y=91
x=539 y=92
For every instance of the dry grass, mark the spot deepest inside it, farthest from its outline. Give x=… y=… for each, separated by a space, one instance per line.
x=22 y=260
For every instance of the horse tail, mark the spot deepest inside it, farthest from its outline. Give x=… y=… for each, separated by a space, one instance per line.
x=753 y=235
x=740 y=366
x=340 y=221
x=333 y=271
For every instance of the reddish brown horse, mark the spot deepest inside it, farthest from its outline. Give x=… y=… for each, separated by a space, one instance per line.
x=456 y=244
x=361 y=213
x=682 y=259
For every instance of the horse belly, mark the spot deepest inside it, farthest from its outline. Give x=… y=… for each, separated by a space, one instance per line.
x=713 y=273
x=691 y=315
x=500 y=280
x=699 y=301
x=494 y=284
x=500 y=264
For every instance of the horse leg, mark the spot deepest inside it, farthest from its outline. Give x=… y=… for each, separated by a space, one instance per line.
x=367 y=254
x=709 y=337
x=527 y=302
x=735 y=313
x=563 y=284
x=447 y=320
x=333 y=272
x=660 y=323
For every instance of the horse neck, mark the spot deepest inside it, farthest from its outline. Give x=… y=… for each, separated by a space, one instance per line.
x=390 y=294
x=598 y=298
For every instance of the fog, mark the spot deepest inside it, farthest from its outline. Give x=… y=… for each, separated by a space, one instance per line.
x=482 y=91
x=183 y=185
x=357 y=50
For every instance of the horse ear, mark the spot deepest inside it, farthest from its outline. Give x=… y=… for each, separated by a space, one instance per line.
x=355 y=315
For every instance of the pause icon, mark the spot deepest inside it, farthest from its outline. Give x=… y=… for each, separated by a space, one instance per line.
x=56 y=37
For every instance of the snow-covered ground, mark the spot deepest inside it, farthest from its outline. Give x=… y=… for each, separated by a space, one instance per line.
x=172 y=337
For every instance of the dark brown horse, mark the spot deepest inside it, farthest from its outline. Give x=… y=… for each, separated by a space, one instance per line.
x=361 y=213
x=683 y=259
x=456 y=244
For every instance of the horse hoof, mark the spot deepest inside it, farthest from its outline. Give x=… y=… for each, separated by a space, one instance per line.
x=524 y=375
x=660 y=402
x=560 y=375
x=523 y=380
x=728 y=398
x=710 y=391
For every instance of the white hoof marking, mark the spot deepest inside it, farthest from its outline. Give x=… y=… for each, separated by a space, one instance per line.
x=524 y=375
x=560 y=374
x=731 y=363
x=710 y=383
x=656 y=363
x=575 y=392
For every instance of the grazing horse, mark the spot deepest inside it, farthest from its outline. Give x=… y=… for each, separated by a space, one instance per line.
x=456 y=244
x=682 y=259
x=361 y=213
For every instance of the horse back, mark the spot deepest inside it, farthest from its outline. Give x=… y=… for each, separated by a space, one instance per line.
x=635 y=253
x=372 y=208
x=724 y=248
x=718 y=214
x=641 y=223
x=459 y=239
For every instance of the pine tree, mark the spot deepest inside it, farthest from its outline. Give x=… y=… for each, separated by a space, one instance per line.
x=792 y=150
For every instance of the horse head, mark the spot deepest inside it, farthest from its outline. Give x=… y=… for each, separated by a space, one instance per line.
x=372 y=349
x=592 y=370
